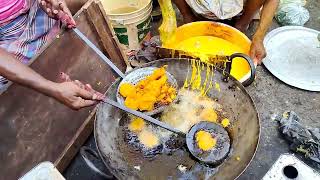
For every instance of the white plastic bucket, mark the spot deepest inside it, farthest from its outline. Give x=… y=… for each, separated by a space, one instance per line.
x=131 y=21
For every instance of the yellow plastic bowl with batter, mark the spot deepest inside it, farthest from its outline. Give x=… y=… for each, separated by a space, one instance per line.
x=214 y=38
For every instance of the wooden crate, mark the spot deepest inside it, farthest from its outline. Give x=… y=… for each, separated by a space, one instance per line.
x=36 y=128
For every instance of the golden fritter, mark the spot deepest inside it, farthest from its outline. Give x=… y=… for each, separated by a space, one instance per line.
x=136 y=125
x=148 y=139
x=131 y=103
x=149 y=92
x=127 y=90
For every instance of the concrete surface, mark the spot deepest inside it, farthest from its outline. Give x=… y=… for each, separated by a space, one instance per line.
x=271 y=97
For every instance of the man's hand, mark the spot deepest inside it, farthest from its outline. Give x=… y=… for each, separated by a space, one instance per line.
x=80 y=95
x=269 y=8
x=71 y=93
x=75 y=97
x=57 y=9
x=257 y=51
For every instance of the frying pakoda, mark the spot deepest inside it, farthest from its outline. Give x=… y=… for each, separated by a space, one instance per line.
x=209 y=114
x=136 y=125
x=149 y=92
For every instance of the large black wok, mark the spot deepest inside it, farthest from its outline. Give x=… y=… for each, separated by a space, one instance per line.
x=126 y=163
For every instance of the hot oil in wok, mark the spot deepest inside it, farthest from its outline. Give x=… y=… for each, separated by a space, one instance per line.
x=150 y=140
x=133 y=140
x=166 y=157
x=171 y=152
x=193 y=106
x=191 y=109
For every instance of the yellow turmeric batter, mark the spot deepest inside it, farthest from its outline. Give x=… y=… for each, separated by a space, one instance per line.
x=154 y=89
x=127 y=90
x=148 y=139
x=209 y=114
x=195 y=82
x=204 y=46
x=136 y=125
x=205 y=140
x=225 y=122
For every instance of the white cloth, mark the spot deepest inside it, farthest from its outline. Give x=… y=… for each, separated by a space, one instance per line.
x=217 y=9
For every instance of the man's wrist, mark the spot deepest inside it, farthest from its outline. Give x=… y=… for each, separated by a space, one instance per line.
x=257 y=37
x=49 y=88
x=259 y=34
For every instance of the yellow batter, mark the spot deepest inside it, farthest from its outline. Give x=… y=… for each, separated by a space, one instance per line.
x=148 y=139
x=209 y=114
x=149 y=91
x=136 y=125
x=225 y=122
x=202 y=46
x=193 y=80
x=205 y=140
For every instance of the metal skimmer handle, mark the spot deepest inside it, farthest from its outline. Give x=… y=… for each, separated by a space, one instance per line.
x=143 y=116
x=97 y=50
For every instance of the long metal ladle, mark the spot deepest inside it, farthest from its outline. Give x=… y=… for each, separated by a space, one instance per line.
x=98 y=52
x=143 y=116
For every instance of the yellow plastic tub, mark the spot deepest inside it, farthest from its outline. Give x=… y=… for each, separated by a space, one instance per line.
x=214 y=38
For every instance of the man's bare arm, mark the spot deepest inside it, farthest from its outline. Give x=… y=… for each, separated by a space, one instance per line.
x=17 y=72
x=68 y=93
x=257 y=50
x=267 y=14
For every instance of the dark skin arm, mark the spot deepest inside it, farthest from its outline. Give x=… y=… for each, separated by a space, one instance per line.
x=68 y=93
x=257 y=51
x=185 y=10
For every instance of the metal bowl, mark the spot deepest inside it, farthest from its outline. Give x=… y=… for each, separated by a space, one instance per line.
x=136 y=76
